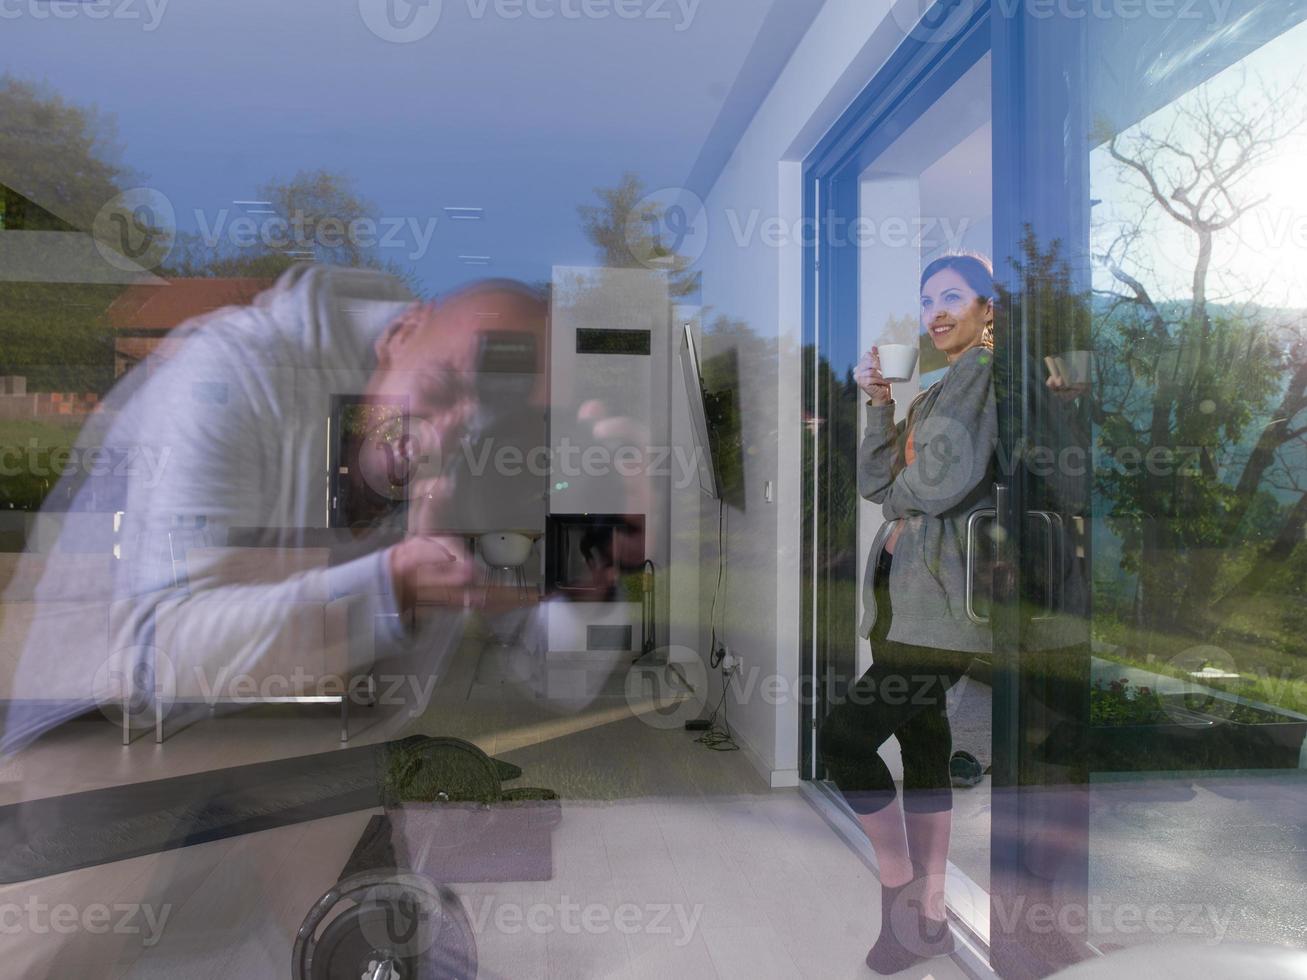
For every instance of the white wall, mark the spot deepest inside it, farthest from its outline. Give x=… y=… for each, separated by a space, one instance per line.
x=752 y=272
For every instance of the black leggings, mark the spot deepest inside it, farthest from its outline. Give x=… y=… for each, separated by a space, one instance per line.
x=902 y=694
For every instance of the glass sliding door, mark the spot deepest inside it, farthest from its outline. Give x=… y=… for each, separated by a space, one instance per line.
x=1142 y=570
x=1147 y=187
x=908 y=182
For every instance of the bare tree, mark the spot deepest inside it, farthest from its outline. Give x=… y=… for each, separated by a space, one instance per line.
x=1220 y=377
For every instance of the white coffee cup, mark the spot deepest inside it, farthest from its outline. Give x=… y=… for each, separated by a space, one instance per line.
x=898 y=361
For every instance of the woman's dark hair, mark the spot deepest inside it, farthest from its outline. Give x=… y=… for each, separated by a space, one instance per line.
x=976 y=271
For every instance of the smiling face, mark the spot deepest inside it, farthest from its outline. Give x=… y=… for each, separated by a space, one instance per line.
x=953 y=313
x=425 y=389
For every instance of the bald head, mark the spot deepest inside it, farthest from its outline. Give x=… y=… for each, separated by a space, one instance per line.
x=449 y=333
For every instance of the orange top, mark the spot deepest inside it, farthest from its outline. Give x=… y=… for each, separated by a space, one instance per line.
x=909 y=454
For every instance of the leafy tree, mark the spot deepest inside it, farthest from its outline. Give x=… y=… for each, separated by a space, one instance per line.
x=60 y=159
x=59 y=166
x=624 y=230
x=320 y=207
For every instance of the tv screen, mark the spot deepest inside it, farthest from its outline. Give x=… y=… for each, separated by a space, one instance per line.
x=712 y=387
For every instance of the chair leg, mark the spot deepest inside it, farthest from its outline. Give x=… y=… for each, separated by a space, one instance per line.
x=158 y=721
x=344 y=718
x=127 y=737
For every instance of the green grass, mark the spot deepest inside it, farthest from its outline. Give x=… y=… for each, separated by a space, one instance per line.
x=1272 y=665
x=26 y=446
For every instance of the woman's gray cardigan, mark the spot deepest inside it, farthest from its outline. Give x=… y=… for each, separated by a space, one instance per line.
x=955 y=434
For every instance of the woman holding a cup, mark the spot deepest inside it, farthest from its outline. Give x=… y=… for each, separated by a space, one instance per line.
x=928 y=472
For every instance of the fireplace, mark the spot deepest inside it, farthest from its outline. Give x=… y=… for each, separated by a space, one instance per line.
x=587 y=555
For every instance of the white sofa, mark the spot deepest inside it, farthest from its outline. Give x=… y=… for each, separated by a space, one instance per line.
x=314 y=647
x=212 y=647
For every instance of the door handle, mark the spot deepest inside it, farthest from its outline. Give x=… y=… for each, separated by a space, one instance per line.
x=1052 y=522
x=973 y=523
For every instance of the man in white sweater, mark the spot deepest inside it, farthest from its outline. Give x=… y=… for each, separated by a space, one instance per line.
x=237 y=421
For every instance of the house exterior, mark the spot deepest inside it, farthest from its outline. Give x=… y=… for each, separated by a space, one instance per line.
x=143 y=315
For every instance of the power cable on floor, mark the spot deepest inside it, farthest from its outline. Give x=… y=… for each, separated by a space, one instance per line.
x=719 y=739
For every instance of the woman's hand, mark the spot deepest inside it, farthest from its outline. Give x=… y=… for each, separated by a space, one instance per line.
x=868 y=377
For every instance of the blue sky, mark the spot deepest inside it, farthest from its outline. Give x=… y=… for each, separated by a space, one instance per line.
x=522 y=116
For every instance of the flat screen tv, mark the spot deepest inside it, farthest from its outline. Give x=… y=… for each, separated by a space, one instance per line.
x=712 y=387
